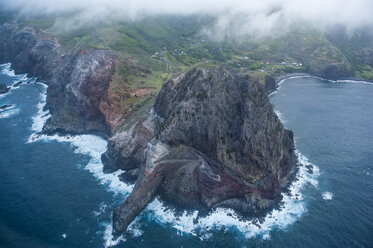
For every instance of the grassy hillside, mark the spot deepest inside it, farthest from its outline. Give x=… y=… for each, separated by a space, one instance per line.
x=154 y=49
x=358 y=49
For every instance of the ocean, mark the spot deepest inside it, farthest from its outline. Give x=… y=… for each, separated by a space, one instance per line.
x=53 y=192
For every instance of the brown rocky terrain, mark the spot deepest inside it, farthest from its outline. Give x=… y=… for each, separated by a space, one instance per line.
x=81 y=94
x=212 y=140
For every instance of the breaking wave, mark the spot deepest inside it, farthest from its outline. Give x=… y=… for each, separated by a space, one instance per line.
x=327 y=196
x=293 y=205
x=6 y=69
x=8 y=112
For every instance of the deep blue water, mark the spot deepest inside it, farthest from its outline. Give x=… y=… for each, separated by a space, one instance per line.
x=53 y=192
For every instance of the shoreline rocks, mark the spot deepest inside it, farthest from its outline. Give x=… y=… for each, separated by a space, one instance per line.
x=77 y=79
x=213 y=141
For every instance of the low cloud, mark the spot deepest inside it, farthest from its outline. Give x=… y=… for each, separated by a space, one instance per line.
x=234 y=18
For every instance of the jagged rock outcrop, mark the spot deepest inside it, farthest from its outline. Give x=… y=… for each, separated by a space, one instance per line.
x=29 y=52
x=76 y=90
x=212 y=139
x=270 y=83
x=78 y=78
x=216 y=142
x=228 y=117
x=126 y=149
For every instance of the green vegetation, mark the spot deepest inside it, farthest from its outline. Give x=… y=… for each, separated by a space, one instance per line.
x=154 y=49
x=364 y=72
x=357 y=48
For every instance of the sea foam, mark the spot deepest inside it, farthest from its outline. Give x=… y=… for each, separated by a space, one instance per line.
x=292 y=208
x=39 y=119
x=8 y=113
x=91 y=145
x=6 y=69
x=280 y=116
x=327 y=196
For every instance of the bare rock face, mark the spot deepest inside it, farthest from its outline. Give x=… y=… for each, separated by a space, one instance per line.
x=227 y=117
x=216 y=142
x=77 y=89
x=78 y=79
x=212 y=139
x=270 y=83
x=27 y=51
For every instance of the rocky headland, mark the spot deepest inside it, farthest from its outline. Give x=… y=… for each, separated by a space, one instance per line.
x=77 y=79
x=211 y=139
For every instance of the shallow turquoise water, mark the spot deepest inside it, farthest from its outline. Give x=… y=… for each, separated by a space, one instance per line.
x=54 y=194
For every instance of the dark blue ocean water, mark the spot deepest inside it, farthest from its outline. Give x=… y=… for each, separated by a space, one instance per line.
x=53 y=192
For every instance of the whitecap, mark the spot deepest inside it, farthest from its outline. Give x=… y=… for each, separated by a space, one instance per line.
x=135 y=229
x=8 y=113
x=11 y=89
x=64 y=235
x=91 y=145
x=101 y=210
x=327 y=196
x=108 y=237
x=266 y=236
x=5 y=94
x=39 y=119
x=7 y=70
x=293 y=207
x=94 y=146
x=12 y=106
x=205 y=236
x=293 y=204
x=280 y=116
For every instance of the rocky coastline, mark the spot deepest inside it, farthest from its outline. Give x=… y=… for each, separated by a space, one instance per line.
x=77 y=79
x=211 y=139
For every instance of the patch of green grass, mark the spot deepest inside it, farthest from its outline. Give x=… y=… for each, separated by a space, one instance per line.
x=365 y=72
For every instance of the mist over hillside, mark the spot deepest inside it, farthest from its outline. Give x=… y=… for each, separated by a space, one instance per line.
x=176 y=108
x=231 y=18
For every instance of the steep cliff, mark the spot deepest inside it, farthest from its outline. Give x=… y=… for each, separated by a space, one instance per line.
x=212 y=139
x=227 y=117
x=77 y=78
x=29 y=52
x=217 y=142
x=76 y=91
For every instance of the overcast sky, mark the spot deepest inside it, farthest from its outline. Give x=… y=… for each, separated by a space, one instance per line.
x=235 y=16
